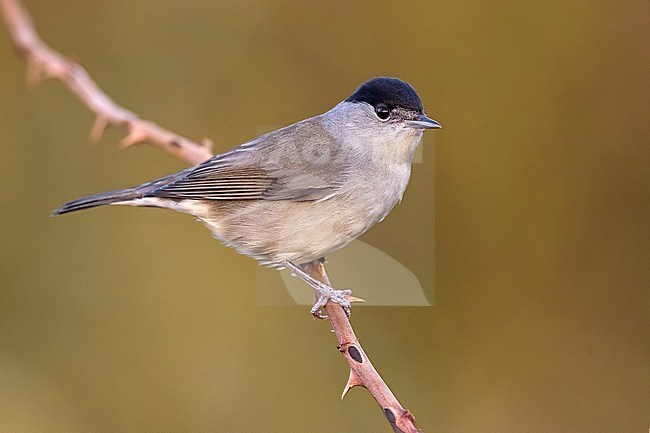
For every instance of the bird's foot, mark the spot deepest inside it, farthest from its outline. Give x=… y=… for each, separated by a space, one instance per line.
x=325 y=294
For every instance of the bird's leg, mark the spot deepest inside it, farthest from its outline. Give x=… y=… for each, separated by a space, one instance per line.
x=324 y=292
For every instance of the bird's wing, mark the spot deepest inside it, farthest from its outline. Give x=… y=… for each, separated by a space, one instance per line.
x=264 y=170
x=219 y=183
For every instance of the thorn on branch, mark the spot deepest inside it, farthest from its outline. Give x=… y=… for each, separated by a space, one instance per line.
x=354 y=299
x=133 y=137
x=353 y=381
x=98 y=129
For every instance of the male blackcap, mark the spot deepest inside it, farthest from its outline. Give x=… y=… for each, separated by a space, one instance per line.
x=294 y=195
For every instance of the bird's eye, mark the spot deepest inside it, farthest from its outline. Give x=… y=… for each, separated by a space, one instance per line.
x=382 y=112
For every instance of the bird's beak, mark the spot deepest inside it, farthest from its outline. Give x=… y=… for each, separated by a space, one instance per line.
x=424 y=122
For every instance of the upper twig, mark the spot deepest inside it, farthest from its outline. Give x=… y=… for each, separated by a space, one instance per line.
x=44 y=62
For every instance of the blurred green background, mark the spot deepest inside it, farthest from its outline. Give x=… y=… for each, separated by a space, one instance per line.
x=136 y=320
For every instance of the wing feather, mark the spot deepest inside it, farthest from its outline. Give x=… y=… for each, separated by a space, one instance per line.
x=258 y=170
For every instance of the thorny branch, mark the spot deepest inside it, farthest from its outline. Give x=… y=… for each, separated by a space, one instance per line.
x=45 y=62
x=362 y=372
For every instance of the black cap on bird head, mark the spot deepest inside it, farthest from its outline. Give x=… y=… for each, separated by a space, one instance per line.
x=391 y=92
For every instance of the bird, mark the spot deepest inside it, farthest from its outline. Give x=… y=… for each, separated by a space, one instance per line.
x=299 y=193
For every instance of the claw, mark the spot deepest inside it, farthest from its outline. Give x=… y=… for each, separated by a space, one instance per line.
x=326 y=294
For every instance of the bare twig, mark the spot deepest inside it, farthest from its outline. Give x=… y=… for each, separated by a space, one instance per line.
x=44 y=62
x=362 y=372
